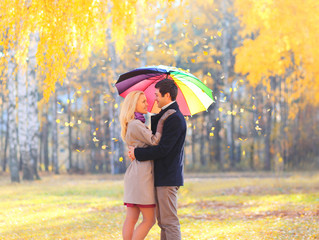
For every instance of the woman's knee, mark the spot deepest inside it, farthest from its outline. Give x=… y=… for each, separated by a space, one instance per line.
x=149 y=217
x=131 y=220
x=149 y=222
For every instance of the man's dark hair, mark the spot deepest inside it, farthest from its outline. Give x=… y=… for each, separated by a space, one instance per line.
x=167 y=86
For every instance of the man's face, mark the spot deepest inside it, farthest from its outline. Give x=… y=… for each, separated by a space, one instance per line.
x=161 y=100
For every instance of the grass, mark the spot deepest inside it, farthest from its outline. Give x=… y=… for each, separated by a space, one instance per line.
x=210 y=207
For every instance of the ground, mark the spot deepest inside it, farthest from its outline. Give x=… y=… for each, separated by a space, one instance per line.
x=211 y=206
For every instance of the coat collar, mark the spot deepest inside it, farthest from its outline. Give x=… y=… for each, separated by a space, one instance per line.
x=160 y=114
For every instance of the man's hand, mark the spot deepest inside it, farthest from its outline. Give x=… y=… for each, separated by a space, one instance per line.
x=131 y=154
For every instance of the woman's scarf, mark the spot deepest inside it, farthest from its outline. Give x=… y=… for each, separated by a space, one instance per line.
x=139 y=116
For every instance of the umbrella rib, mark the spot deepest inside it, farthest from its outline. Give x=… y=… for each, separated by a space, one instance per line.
x=198 y=82
x=200 y=103
x=180 y=90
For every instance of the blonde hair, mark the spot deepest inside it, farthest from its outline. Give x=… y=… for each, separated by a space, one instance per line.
x=127 y=110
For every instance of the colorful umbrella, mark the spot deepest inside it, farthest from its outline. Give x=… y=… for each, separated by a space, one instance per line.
x=193 y=96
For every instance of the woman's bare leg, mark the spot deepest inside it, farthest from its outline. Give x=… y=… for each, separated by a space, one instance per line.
x=132 y=214
x=145 y=226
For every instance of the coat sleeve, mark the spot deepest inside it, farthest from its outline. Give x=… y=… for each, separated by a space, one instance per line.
x=144 y=134
x=171 y=134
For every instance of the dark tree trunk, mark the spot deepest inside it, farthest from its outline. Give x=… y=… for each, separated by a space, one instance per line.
x=193 y=143
x=70 y=129
x=107 y=137
x=267 y=166
x=209 y=139
x=93 y=147
x=217 y=140
x=217 y=144
x=203 y=148
x=239 y=145
x=41 y=151
x=232 y=133
x=251 y=157
x=55 y=146
x=4 y=164
x=45 y=140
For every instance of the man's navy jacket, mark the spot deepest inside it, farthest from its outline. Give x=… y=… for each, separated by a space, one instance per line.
x=168 y=155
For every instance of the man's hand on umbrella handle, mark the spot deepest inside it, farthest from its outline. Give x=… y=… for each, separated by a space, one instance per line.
x=131 y=154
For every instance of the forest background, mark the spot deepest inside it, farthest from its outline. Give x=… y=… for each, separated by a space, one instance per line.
x=60 y=60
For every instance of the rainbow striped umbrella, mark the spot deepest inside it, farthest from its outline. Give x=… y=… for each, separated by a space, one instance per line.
x=193 y=95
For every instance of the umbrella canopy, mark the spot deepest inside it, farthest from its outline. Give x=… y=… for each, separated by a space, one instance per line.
x=193 y=96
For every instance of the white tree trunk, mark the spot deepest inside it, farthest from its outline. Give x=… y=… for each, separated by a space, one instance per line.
x=27 y=166
x=32 y=110
x=13 y=140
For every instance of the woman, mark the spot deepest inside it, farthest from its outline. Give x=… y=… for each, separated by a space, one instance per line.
x=139 y=192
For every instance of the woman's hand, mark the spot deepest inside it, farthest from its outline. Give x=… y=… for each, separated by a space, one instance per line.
x=160 y=124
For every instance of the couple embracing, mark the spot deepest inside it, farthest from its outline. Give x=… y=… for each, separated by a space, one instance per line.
x=155 y=174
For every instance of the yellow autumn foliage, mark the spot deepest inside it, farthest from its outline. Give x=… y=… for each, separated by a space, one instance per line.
x=283 y=42
x=68 y=32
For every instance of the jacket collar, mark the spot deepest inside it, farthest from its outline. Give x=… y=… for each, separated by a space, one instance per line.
x=174 y=106
x=167 y=105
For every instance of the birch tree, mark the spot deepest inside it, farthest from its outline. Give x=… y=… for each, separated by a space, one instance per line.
x=27 y=166
x=272 y=51
x=13 y=141
x=32 y=109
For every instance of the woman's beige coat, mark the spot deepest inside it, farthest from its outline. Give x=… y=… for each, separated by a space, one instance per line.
x=138 y=178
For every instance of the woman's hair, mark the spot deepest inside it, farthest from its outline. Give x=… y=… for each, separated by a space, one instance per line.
x=128 y=109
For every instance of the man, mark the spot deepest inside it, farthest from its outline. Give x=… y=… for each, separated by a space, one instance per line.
x=168 y=158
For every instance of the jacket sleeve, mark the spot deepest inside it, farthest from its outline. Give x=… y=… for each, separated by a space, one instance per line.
x=171 y=134
x=144 y=134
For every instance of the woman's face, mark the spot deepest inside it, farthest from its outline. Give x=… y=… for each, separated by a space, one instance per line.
x=141 y=105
